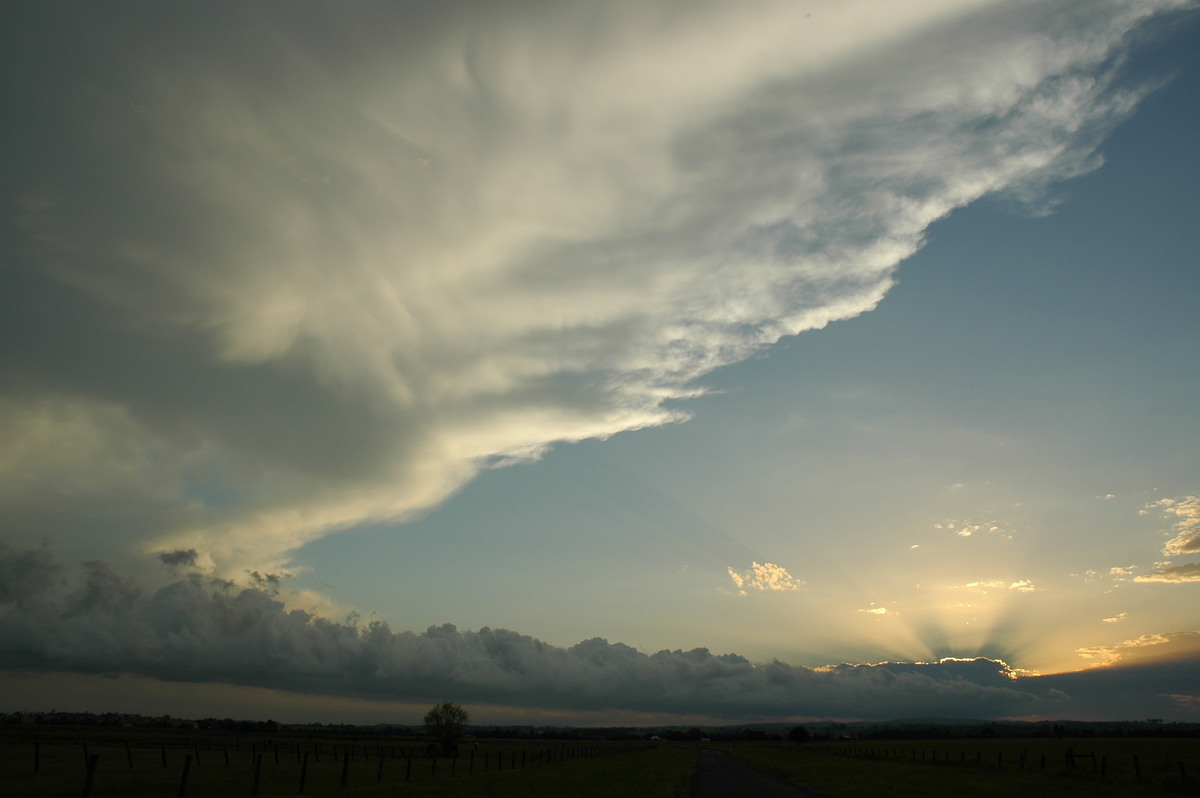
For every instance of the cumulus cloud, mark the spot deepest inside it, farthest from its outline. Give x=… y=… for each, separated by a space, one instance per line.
x=343 y=262
x=1186 y=527
x=1188 y=572
x=1184 y=539
x=764 y=576
x=967 y=529
x=200 y=630
x=1169 y=645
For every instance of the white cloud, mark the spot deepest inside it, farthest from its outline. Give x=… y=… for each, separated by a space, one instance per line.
x=968 y=528
x=344 y=262
x=1145 y=648
x=764 y=576
x=1186 y=526
x=986 y=586
x=1120 y=616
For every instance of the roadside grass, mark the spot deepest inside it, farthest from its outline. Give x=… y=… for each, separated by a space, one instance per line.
x=936 y=768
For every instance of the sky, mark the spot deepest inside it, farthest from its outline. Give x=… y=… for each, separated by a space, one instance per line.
x=589 y=364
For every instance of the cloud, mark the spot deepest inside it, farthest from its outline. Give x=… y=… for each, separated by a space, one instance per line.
x=765 y=576
x=1186 y=527
x=344 y=262
x=1120 y=616
x=1171 y=645
x=1189 y=572
x=966 y=529
x=1018 y=586
x=1185 y=540
x=95 y=621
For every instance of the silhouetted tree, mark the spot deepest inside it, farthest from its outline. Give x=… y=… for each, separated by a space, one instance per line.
x=445 y=723
x=798 y=734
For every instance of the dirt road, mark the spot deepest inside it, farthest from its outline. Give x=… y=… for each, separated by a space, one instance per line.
x=720 y=776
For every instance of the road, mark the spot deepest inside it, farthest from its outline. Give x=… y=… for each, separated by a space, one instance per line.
x=720 y=776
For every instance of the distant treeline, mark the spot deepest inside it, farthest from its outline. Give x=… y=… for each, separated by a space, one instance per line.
x=1011 y=730
x=932 y=729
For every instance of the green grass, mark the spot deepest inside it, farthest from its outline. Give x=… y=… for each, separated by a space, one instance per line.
x=982 y=767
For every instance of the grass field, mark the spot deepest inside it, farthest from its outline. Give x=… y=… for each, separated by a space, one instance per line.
x=45 y=762
x=53 y=761
x=1029 y=768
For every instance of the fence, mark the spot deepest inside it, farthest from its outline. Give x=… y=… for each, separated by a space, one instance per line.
x=96 y=766
x=1145 y=762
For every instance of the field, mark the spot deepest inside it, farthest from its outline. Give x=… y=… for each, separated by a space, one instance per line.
x=132 y=762
x=1031 y=767
x=129 y=762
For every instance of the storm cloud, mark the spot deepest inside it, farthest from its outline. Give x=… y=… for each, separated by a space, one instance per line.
x=93 y=620
x=324 y=272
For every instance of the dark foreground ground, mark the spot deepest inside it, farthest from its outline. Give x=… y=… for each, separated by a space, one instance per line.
x=719 y=776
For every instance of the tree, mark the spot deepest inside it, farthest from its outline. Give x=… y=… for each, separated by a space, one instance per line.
x=798 y=734
x=445 y=723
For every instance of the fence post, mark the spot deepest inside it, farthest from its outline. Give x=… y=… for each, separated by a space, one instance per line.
x=90 y=778
x=345 y=769
x=408 y=767
x=257 y=773
x=303 y=773
x=379 y=773
x=1137 y=768
x=37 y=757
x=187 y=766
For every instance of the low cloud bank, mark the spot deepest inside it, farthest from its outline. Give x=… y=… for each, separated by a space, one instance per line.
x=94 y=620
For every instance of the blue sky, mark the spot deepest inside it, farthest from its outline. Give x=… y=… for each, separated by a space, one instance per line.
x=681 y=349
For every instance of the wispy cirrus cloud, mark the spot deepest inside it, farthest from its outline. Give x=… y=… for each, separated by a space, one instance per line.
x=344 y=262
x=987 y=586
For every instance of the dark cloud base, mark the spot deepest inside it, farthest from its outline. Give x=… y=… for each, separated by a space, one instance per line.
x=96 y=621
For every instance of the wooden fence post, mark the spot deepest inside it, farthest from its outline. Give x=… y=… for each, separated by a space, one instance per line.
x=90 y=777
x=257 y=773
x=303 y=773
x=183 y=779
x=37 y=757
x=345 y=770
